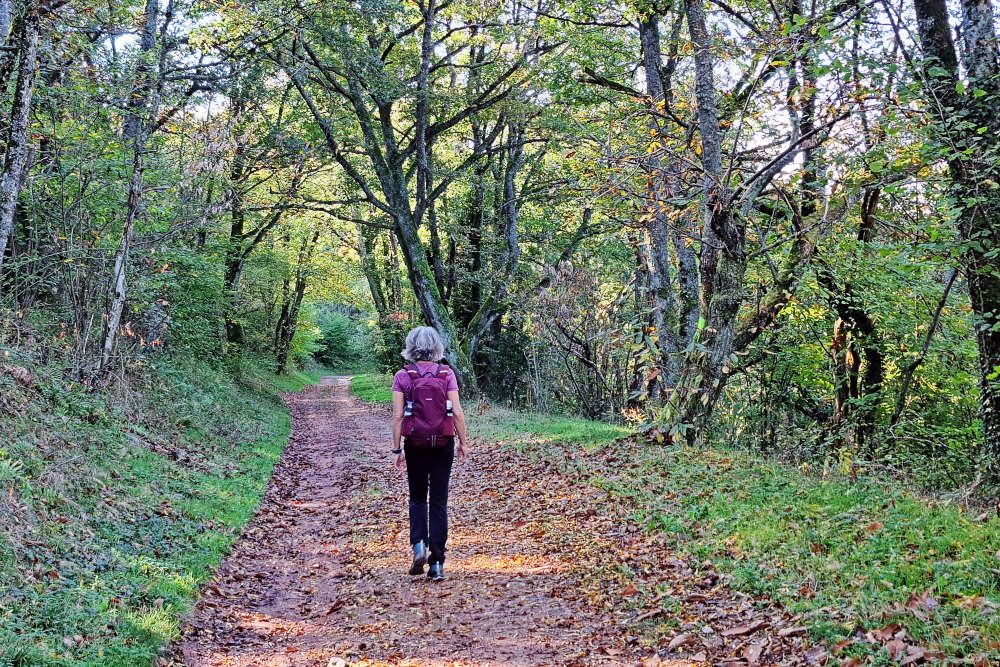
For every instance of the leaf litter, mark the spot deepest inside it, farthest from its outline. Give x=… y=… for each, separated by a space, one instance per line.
x=543 y=569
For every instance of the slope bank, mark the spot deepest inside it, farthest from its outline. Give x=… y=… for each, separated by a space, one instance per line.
x=117 y=506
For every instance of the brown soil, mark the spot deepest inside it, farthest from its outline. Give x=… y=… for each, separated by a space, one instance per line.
x=319 y=575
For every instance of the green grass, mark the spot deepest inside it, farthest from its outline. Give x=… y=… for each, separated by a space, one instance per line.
x=372 y=387
x=296 y=380
x=123 y=506
x=846 y=555
x=534 y=429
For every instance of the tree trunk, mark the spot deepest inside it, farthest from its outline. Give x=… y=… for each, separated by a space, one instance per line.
x=722 y=262
x=467 y=308
x=911 y=368
x=119 y=290
x=288 y=324
x=485 y=322
x=10 y=27
x=661 y=278
x=369 y=266
x=17 y=145
x=723 y=259
x=856 y=341
x=980 y=223
x=979 y=217
x=423 y=278
x=6 y=20
x=281 y=327
x=243 y=242
x=855 y=345
x=428 y=298
x=142 y=107
x=237 y=220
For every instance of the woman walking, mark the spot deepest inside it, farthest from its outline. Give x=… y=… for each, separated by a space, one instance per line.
x=426 y=417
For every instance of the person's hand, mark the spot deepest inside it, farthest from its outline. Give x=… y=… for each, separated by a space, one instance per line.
x=462 y=452
x=400 y=461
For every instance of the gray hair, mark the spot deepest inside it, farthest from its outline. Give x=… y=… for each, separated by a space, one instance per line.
x=423 y=344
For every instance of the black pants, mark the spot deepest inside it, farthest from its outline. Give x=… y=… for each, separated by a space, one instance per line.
x=428 y=471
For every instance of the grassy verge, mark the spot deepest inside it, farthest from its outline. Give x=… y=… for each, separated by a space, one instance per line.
x=117 y=508
x=849 y=556
x=372 y=387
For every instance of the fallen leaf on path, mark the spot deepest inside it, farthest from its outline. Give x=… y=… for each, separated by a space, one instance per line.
x=921 y=605
x=745 y=629
x=816 y=654
x=649 y=614
x=680 y=640
x=895 y=647
x=874 y=527
x=914 y=654
x=839 y=647
x=752 y=653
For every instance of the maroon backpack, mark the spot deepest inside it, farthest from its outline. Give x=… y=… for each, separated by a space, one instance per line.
x=428 y=420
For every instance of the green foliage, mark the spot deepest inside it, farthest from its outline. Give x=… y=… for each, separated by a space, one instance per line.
x=344 y=340
x=306 y=341
x=335 y=345
x=191 y=284
x=122 y=500
x=387 y=342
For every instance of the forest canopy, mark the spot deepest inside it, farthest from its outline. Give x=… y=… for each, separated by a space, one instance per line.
x=769 y=225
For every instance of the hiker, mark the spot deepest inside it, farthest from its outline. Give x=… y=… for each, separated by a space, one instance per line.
x=427 y=415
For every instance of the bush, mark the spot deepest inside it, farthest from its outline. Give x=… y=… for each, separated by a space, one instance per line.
x=343 y=338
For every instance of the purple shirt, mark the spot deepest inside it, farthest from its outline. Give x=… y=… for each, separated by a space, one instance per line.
x=401 y=382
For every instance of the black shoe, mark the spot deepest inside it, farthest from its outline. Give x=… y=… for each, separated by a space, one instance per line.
x=419 y=558
x=436 y=572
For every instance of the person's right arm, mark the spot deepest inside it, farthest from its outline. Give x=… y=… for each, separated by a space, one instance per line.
x=463 y=436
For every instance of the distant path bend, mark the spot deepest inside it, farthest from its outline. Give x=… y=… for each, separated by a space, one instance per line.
x=318 y=577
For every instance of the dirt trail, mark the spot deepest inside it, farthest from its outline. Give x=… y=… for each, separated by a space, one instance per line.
x=320 y=572
x=543 y=568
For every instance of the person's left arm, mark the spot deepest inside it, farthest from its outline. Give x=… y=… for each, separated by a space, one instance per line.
x=397 y=427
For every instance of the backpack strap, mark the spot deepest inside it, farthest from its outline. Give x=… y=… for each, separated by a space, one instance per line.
x=415 y=371
x=443 y=374
x=413 y=374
